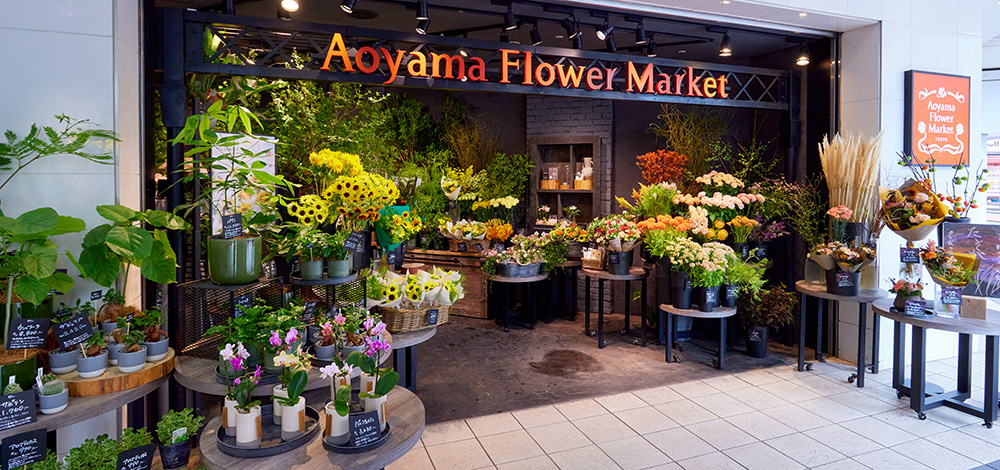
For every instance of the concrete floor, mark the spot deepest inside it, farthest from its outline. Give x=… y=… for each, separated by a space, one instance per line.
x=471 y=367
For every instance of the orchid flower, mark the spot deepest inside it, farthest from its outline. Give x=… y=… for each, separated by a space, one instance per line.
x=275 y=339
x=237 y=363
x=340 y=319
x=329 y=371
x=242 y=351
x=284 y=359
x=368 y=324
x=227 y=352
x=291 y=336
x=256 y=374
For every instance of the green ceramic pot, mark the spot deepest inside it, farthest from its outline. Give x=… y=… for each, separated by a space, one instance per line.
x=311 y=269
x=234 y=261
x=24 y=371
x=340 y=268
x=25 y=310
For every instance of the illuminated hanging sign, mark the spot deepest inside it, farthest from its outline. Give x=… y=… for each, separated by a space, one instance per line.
x=525 y=68
x=937 y=117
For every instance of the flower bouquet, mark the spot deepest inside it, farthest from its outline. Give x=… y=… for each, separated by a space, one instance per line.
x=417 y=300
x=684 y=255
x=904 y=291
x=615 y=233
x=650 y=201
x=949 y=269
x=498 y=230
x=912 y=211
x=716 y=181
x=544 y=216
x=464 y=231
x=708 y=274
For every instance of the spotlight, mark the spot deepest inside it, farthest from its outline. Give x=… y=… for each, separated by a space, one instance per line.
x=725 y=50
x=651 y=48
x=803 y=59
x=509 y=22
x=640 y=35
x=348 y=6
x=422 y=13
x=290 y=5
x=283 y=14
x=536 y=37
x=504 y=37
x=572 y=29
x=610 y=42
x=422 y=26
x=578 y=42
x=463 y=52
x=604 y=32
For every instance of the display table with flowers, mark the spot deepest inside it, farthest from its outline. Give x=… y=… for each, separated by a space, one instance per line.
x=634 y=274
x=667 y=324
x=504 y=311
x=863 y=298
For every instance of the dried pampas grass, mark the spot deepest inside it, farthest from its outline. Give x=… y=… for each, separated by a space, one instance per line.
x=851 y=167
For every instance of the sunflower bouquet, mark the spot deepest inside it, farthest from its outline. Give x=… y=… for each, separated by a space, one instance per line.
x=418 y=289
x=310 y=210
x=359 y=199
x=949 y=269
x=566 y=231
x=329 y=165
x=400 y=227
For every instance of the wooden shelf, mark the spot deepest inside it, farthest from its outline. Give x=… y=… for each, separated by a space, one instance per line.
x=565 y=191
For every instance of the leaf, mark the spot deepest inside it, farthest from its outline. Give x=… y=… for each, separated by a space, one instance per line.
x=31 y=289
x=59 y=281
x=386 y=383
x=297 y=384
x=132 y=243
x=40 y=261
x=99 y=264
x=96 y=235
x=66 y=224
x=160 y=266
x=117 y=213
x=35 y=222
x=164 y=219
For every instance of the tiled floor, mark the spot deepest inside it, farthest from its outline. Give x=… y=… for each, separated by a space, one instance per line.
x=776 y=418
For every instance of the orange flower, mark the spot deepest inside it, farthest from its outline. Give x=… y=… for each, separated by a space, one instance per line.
x=661 y=166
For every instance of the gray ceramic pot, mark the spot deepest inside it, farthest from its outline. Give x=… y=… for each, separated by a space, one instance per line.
x=347 y=350
x=94 y=366
x=113 y=350
x=156 y=351
x=324 y=353
x=132 y=362
x=108 y=326
x=62 y=362
x=52 y=404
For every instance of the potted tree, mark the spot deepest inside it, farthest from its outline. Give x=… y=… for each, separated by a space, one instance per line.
x=154 y=338
x=173 y=437
x=53 y=396
x=113 y=309
x=772 y=307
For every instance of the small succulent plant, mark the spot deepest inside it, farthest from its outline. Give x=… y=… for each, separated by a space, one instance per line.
x=12 y=388
x=52 y=385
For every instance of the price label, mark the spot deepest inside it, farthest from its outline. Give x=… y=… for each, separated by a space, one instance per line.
x=613 y=258
x=761 y=252
x=178 y=434
x=915 y=307
x=241 y=302
x=364 y=429
x=909 y=255
x=17 y=409
x=744 y=250
x=139 y=458
x=27 y=333
x=310 y=307
x=355 y=242
x=711 y=295
x=393 y=258
x=24 y=449
x=731 y=290
x=462 y=246
x=951 y=295
x=96 y=295
x=232 y=226
x=72 y=331
x=479 y=247
x=845 y=280
x=432 y=316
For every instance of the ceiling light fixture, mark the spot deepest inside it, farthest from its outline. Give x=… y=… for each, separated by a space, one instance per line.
x=640 y=35
x=283 y=14
x=572 y=29
x=348 y=6
x=725 y=50
x=423 y=26
x=651 y=48
x=504 y=37
x=610 y=42
x=803 y=15
x=536 y=37
x=803 y=59
x=290 y=5
x=605 y=31
x=509 y=22
x=461 y=50
x=422 y=11
x=578 y=42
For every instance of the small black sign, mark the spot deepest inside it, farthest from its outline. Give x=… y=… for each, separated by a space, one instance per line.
x=355 y=242
x=393 y=258
x=62 y=314
x=96 y=295
x=130 y=317
x=744 y=251
x=245 y=301
x=17 y=409
x=711 y=295
x=24 y=449
x=915 y=307
x=951 y=295
x=72 y=331
x=909 y=255
x=27 y=333
x=761 y=252
x=479 y=247
x=462 y=246
x=232 y=226
x=731 y=290
x=498 y=246
x=755 y=335
x=310 y=307
x=687 y=283
x=845 y=280
x=364 y=429
x=613 y=258
x=432 y=316
x=139 y=458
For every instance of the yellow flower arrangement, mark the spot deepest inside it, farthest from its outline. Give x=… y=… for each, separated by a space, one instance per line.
x=358 y=199
x=337 y=163
x=742 y=226
x=404 y=226
x=498 y=230
x=311 y=210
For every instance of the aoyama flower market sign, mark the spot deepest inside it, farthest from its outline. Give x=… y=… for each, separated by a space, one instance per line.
x=937 y=118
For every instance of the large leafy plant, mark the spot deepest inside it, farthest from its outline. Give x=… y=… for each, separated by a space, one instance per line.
x=113 y=248
x=28 y=257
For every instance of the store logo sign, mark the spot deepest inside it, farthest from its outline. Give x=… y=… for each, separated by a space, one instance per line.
x=521 y=68
x=937 y=117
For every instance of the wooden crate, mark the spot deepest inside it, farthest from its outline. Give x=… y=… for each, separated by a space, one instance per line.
x=469 y=265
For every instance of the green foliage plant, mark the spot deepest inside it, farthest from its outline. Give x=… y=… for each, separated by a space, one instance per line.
x=696 y=133
x=244 y=329
x=804 y=210
x=385 y=378
x=174 y=420
x=773 y=307
x=52 y=385
x=50 y=463
x=749 y=278
x=28 y=257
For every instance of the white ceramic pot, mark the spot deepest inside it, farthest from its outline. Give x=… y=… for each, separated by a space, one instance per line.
x=248 y=428
x=367 y=383
x=278 y=392
x=293 y=423
x=229 y=416
x=337 y=430
x=336 y=383
x=378 y=404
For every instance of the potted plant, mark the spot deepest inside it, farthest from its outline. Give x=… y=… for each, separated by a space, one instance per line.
x=92 y=359
x=741 y=278
x=248 y=423
x=291 y=403
x=290 y=365
x=173 y=437
x=619 y=235
x=282 y=331
x=154 y=338
x=382 y=379
x=112 y=309
x=338 y=408
x=53 y=396
x=244 y=331
x=132 y=354
x=740 y=228
x=354 y=336
x=773 y=307
x=310 y=245
x=707 y=276
x=325 y=341
x=339 y=260
x=234 y=357
x=684 y=255
x=904 y=291
x=102 y=452
x=763 y=234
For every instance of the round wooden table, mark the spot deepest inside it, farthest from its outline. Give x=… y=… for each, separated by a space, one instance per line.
x=864 y=297
x=406 y=420
x=526 y=281
x=918 y=388
x=404 y=355
x=722 y=313
x=635 y=273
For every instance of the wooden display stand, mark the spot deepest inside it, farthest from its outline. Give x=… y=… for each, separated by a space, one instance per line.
x=469 y=264
x=565 y=150
x=113 y=380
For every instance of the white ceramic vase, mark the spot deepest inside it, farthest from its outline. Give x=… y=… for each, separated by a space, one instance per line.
x=367 y=383
x=278 y=392
x=378 y=404
x=293 y=422
x=229 y=416
x=248 y=428
x=336 y=383
x=337 y=430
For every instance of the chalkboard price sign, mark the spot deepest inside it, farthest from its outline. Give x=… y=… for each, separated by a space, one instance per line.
x=951 y=295
x=232 y=226
x=27 y=333
x=432 y=316
x=731 y=290
x=479 y=248
x=23 y=449
x=355 y=242
x=364 y=429
x=393 y=257
x=613 y=258
x=310 y=307
x=139 y=458
x=711 y=295
x=915 y=307
x=17 y=409
x=72 y=331
x=244 y=301
x=462 y=246
x=96 y=295
x=845 y=280
x=909 y=255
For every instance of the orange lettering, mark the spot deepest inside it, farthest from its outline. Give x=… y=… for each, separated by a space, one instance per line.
x=506 y=62
x=393 y=66
x=448 y=61
x=643 y=81
x=547 y=69
x=723 y=93
x=610 y=74
x=594 y=74
x=477 y=71
x=663 y=86
x=360 y=56
x=417 y=66
x=692 y=83
x=337 y=49
x=570 y=74
x=709 y=87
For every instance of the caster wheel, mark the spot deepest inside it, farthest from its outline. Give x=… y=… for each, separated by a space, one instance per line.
x=809 y=366
x=624 y=331
x=852 y=378
x=988 y=424
x=821 y=358
x=592 y=333
x=677 y=359
x=680 y=347
x=506 y=330
x=922 y=416
x=603 y=344
x=900 y=395
x=715 y=363
x=636 y=342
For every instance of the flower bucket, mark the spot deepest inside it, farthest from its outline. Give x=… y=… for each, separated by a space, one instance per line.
x=662 y=276
x=619 y=262
x=340 y=268
x=757 y=341
x=841 y=283
x=728 y=294
x=518 y=270
x=705 y=297
x=680 y=289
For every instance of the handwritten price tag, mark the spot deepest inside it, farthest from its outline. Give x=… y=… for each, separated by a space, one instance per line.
x=364 y=429
x=18 y=409
x=24 y=449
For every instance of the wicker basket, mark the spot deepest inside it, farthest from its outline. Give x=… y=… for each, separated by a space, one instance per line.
x=596 y=263
x=404 y=320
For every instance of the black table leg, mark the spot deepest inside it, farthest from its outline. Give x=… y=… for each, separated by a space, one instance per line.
x=918 y=374
x=862 y=347
x=803 y=365
x=628 y=309
x=964 y=363
x=898 y=357
x=404 y=361
x=137 y=413
x=990 y=384
x=876 y=319
x=506 y=306
x=819 y=331
x=586 y=289
x=722 y=344
x=600 y=314
x=643 y=303
x=667 y=323
x=573 y=288
x=533 y=296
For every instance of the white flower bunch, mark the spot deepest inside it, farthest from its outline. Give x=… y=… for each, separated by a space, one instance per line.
x=716 y=178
